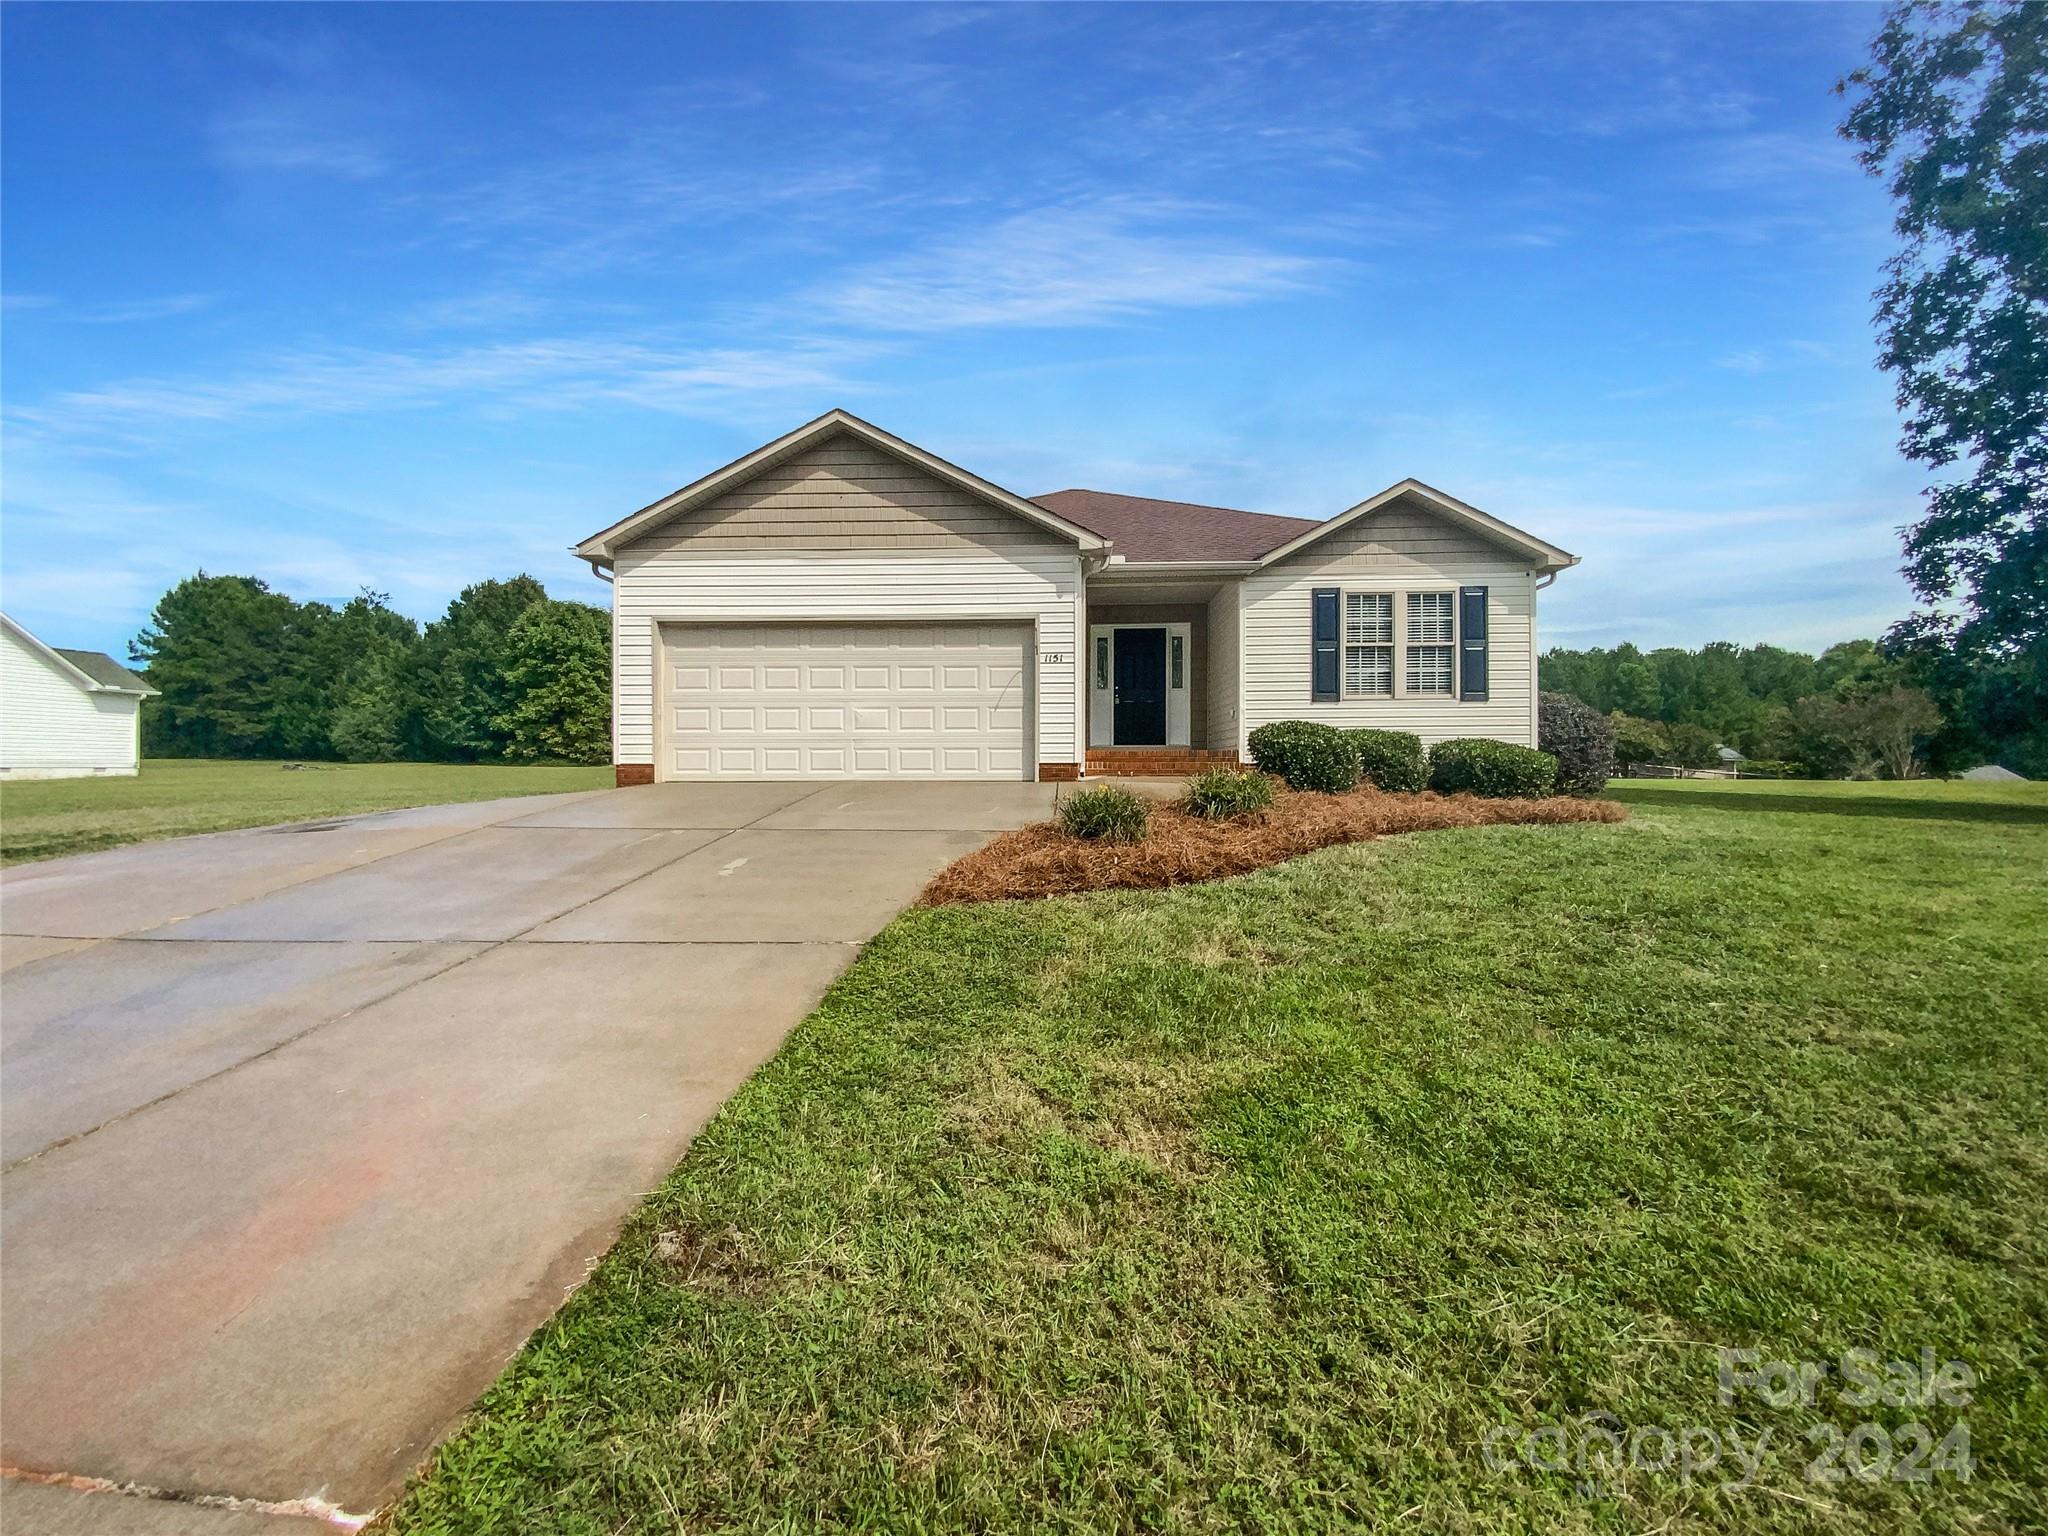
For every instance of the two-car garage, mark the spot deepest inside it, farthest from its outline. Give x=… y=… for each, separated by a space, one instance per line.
x=854 y=701
x=840 y=604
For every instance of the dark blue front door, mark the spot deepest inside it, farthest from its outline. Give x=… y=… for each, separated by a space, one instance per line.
x=1140 y=714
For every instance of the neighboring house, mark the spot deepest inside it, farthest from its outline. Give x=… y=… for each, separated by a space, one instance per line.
x=1993 y=773
x=1730 y=758
x=65 y=714
x=842 y=604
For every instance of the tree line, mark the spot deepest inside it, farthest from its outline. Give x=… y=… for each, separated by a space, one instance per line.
x=1858 y=708
x=507 y=674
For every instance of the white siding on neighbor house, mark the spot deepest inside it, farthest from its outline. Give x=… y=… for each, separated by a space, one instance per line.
x=1224 y=712
x=52 y=728
x=658 y=581
x=1402 y=549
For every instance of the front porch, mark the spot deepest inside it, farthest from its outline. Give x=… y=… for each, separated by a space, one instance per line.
x=1162 y=691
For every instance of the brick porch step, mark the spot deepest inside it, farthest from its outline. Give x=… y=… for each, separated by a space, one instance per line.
x=1155 y=762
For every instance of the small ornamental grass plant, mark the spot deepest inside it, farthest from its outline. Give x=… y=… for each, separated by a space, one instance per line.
x=1107 y=814
x=1227 y=794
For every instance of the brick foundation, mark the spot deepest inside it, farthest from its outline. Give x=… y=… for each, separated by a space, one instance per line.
x=633 y=773
x=1156 y=762
x=1058 y=773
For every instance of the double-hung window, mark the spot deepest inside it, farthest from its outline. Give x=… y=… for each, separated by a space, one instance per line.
x=1431 y=642
x=1369 y=643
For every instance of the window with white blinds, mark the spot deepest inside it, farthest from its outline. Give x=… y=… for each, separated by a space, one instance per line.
x=1431 y=642
x=1369 y=643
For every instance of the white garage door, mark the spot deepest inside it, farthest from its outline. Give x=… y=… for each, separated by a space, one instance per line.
x=846 y=701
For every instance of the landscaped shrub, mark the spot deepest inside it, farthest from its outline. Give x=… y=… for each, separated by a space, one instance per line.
x=1109 y=814
x=1223 y=794
x=1272 y=746
x=1775 y=768
x=1580 y=738
x=1495 y=769
x=1391 y=760
x=1306 y=754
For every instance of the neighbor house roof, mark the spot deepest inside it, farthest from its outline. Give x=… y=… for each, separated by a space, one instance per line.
x=1144 y=529
x=104 y=670
x=94 y=671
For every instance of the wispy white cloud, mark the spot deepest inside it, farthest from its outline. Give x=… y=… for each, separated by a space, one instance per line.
x=1068 y=266
x=544 y=374
x=322 y=108
x=165 y=308
x=1782 y=354
x=1747 y=360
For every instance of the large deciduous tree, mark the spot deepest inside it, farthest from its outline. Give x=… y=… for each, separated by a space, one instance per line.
x=558 y=671
x=462 y=669
x=1953 y=112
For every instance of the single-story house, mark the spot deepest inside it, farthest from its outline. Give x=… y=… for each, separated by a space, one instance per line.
x=65 y=714
x=842 y=604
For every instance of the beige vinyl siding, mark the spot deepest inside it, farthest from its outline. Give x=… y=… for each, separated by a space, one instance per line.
x=656 y=581
x=50 y=727
x=1225 y=732
x=1196 y=617
x=845 y=494
x=1402 y=549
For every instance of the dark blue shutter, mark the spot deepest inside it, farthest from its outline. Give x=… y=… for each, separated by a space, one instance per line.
x=1322 y=666
x=1472 y=643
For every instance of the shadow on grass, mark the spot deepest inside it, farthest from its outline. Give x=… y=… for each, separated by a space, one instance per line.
x=1903 y=806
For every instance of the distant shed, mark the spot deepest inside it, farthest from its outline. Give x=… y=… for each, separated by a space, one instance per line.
x=1991 y=773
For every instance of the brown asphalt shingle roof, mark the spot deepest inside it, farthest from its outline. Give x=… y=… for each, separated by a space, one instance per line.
x=1145 y=529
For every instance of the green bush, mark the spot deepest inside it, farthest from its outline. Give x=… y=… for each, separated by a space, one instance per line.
x=1580 y=738
x=1306 y=754
x=1222 y=794
x=1109 y=814
x=1774 y=768
x=1272 y=746
x=1494 y=769
x=1391 y=760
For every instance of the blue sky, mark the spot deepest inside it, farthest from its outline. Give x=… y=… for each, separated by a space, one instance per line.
x=409 y=296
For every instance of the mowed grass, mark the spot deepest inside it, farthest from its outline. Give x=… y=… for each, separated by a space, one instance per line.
x=1257 y=1205
x=43 y=818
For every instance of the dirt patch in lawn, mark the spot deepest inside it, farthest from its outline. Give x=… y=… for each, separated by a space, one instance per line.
x=1179 y=849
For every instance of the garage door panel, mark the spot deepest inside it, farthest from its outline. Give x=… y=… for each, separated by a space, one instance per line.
x=846 y=701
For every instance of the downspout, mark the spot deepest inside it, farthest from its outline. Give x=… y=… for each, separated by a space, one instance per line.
x=597 y=569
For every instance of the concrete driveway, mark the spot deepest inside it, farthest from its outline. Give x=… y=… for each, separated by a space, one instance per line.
x=306 y=1128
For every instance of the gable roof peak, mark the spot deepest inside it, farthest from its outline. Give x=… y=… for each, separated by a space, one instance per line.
x=602 y=546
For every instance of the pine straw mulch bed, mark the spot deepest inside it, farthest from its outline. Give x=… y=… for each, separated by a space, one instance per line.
x=1179 y=849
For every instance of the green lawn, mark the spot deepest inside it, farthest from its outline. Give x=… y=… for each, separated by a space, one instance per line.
x=1257 y=1205
x=42 y=818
